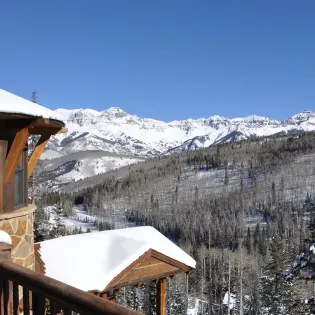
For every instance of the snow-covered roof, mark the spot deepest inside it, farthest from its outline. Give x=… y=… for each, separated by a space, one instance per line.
x=13 y=104
x=90 y=261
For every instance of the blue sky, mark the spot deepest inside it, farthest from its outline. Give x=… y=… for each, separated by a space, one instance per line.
x=166 y=59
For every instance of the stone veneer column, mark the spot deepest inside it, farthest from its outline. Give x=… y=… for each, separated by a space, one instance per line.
x=20 y=226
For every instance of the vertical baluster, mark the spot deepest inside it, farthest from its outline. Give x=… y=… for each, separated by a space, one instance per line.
x=1 y=297
x=15 y=299
x=5 y=297
x=66 y=311
x=42 y=304
x=26 y=301
x=38 y=304
x=34 y=304
x=53 y=308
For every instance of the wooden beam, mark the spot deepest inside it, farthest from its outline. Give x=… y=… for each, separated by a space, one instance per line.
x=47 y=130
x=161 y=297
x=170 y=261
x=46 y=123
x=144 y=280
x=15 y=153
x=62 y=130
x=41 y=144
x=36 y=126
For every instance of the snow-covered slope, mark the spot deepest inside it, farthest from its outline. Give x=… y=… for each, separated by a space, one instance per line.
x=71 y=167
x=114 y=130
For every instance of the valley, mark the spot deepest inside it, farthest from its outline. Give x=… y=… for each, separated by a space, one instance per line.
x=222 y=204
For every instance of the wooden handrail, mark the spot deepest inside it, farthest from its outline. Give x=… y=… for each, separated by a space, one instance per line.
x=68 y=297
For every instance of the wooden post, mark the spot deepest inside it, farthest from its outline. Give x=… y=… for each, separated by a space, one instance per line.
x=161 y=297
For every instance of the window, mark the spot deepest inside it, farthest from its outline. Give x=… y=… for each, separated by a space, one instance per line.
x=20 y=186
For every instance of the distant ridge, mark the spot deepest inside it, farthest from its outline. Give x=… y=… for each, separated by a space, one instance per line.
x=116 y=131
x=93 y=135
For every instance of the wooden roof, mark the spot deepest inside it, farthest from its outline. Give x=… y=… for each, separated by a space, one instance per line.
x=150 y=266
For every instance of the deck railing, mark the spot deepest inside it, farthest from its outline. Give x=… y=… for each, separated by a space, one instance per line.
x=28 y=292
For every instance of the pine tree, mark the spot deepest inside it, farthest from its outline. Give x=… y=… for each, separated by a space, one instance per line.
x=303 y=267
x=177 y=303
x=276 y=289
x=131 y=297
x=253 y=303
x=149 y=299
x=273 y=193
x=309 y=206
x=226 y=177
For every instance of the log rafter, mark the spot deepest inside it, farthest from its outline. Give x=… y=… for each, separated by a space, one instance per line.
x=41 y=126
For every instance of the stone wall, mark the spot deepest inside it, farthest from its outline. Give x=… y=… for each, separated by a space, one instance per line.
x=19 y=225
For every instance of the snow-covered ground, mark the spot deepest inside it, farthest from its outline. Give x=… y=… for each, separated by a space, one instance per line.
x=80 y=220
x=79 y=165
x=196 y=306
x=90 y=167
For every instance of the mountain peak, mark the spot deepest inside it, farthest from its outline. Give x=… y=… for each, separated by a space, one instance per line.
x=114 y=112
x=302 y=116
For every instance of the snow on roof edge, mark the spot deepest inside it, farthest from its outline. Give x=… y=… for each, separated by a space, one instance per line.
x=13 y=104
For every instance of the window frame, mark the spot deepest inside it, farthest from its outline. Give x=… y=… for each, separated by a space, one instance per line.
x=22 y=169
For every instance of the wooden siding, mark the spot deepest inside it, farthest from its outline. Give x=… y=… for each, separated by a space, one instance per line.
x=39 y=263
x=150 y=266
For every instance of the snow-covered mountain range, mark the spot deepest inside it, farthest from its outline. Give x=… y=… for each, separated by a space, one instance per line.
x=115 y=131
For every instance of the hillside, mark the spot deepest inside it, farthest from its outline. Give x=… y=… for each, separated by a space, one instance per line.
x=222 y=204
x=55 y=172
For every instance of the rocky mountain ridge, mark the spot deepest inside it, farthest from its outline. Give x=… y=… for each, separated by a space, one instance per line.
x=101 y=141
x=114 y=130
